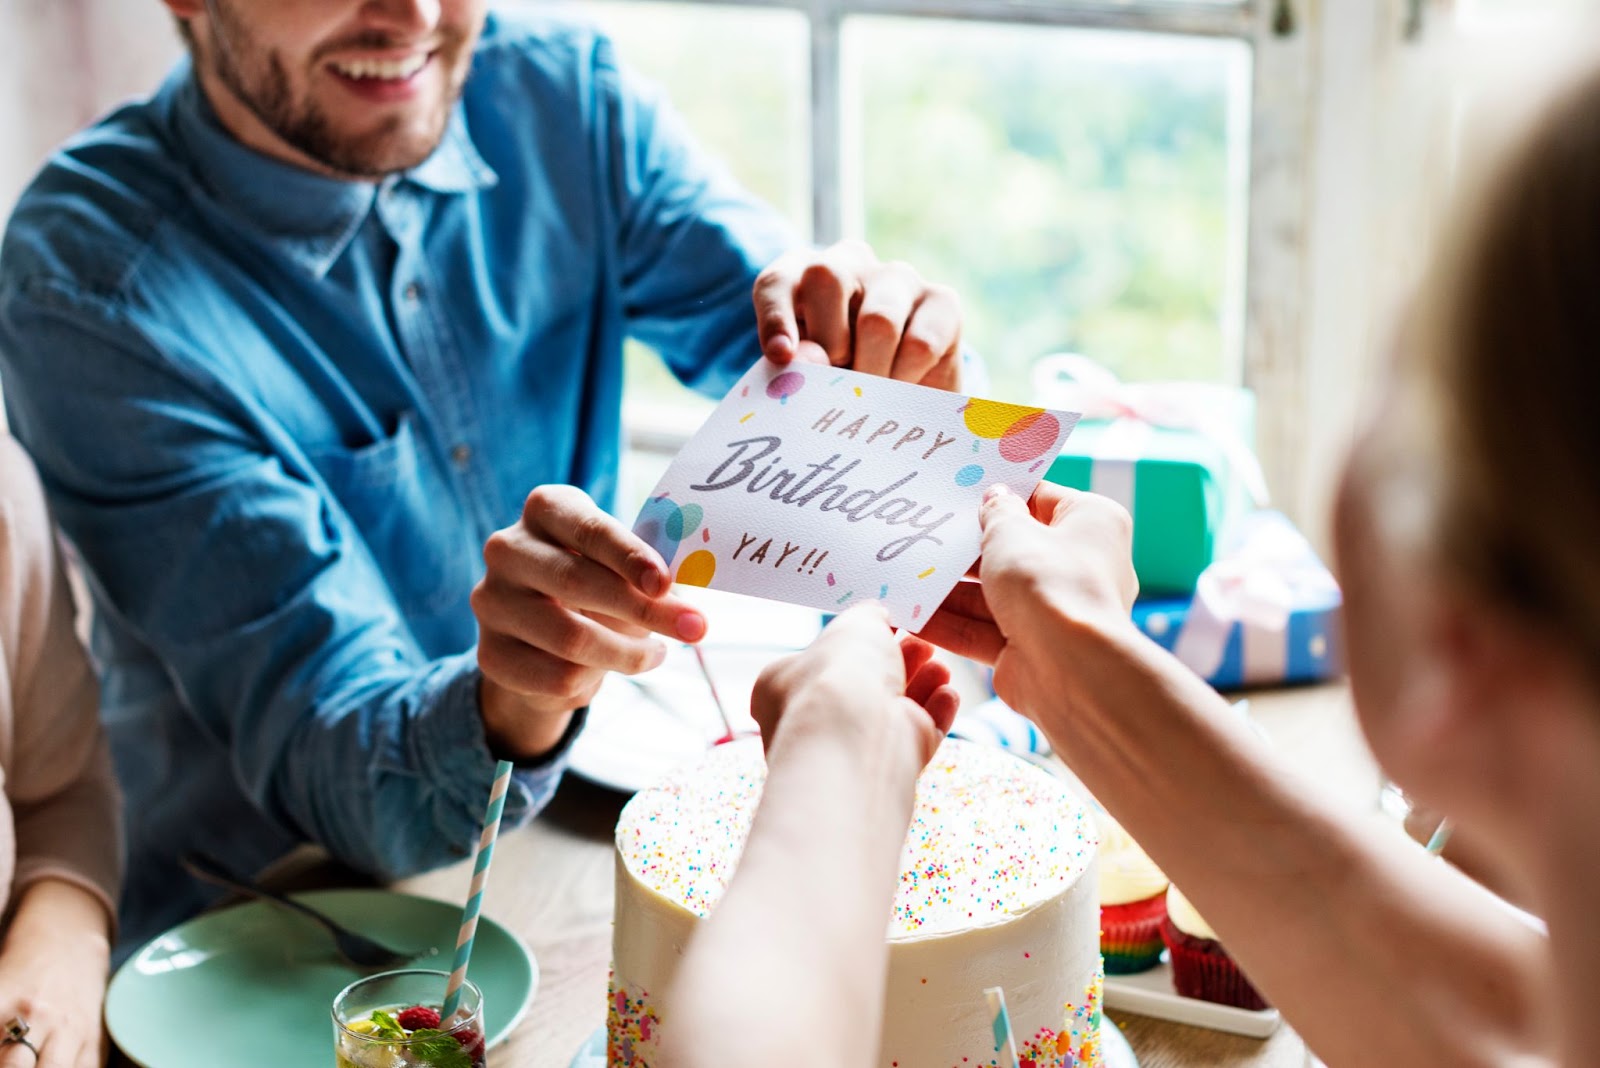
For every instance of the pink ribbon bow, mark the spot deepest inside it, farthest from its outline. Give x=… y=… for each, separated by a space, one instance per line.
x=1257 y=584
x=1077 y=383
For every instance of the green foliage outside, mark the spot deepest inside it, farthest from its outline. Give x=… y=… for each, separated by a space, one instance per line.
x=1073 y=186
x=1081 y=190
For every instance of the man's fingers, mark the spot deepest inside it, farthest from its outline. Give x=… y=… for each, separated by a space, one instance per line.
x=775 y=315
x=812 y=353
x=570 y=518
x=823 y=300
x=885 y=310
x=578 y=584
x=621 y=626
x=522 y=669
x=932 y=337
x=575 y=637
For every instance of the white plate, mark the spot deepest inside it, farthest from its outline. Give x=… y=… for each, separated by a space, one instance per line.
x=643 y=726
x=249 y=986
x=1151 y=994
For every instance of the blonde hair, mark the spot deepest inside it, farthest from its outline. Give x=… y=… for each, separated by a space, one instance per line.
x=1509 y=352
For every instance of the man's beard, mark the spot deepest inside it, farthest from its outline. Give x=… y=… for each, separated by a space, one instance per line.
x=305 y=126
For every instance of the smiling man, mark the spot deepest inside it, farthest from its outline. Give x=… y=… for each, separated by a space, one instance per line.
x=319 y=350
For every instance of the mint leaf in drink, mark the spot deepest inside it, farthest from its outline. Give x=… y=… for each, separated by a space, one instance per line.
x=387 y=1026
x=438 y=1050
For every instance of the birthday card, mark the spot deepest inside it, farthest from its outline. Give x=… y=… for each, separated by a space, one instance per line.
x=825 y=487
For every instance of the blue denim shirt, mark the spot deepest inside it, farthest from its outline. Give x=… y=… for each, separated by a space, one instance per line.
x=279 y=415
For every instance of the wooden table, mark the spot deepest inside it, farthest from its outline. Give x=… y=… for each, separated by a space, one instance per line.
x=552 y=884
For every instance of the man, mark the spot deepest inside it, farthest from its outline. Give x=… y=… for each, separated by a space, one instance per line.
x=292 y=342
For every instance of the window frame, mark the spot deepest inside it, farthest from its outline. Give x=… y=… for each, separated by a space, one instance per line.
x=1268 y=336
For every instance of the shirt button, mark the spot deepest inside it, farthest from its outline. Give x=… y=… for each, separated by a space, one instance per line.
x=413 y=292
x=460 y=454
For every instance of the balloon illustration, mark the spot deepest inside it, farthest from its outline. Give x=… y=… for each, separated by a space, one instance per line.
x=1029 y=437
x=697 y=568
x=663 y=525
x=1024 y=433
x=785 y=386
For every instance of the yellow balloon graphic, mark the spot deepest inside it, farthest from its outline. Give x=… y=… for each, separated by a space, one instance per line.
x=697 y=568
x=991 y=419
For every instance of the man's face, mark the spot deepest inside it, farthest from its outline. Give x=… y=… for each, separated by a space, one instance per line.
x=359 y=87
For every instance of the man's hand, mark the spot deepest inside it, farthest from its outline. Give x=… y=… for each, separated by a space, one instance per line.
x=570 y=594
x=856 y=683
x=53 y=975
x=1065 y=561
x=842 y=306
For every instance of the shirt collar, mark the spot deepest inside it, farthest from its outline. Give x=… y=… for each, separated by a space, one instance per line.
x=310 y=216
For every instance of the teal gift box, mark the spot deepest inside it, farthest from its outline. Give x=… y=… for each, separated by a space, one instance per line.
x=1177 y=455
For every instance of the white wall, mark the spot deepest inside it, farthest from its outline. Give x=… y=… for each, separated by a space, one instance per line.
x=63 y=63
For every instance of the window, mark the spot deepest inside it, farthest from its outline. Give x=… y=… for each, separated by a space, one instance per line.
x=1120 y=179
x=1079 y=188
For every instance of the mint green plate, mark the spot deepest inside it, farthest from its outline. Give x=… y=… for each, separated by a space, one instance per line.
x=251 y=986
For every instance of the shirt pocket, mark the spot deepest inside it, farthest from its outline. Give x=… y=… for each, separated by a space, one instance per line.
x=406 y=514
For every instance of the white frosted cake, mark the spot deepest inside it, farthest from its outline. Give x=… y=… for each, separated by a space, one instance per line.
x=997 y=888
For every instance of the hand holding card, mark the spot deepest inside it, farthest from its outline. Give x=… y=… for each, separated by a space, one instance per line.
x=825 y=487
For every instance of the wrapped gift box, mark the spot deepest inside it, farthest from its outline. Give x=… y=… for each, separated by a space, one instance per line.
x=1267 y=612
x=1177 y=455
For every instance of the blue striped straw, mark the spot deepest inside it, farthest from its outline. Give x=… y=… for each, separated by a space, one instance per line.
x=1441 y=837
x=480 y=877
x=1004 y=1043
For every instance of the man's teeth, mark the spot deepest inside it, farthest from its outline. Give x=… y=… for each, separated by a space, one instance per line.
x=386 y=69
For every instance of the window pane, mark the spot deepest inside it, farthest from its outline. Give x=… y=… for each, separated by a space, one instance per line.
x=739 y=77
x=1083 y=190
x=1491 y=13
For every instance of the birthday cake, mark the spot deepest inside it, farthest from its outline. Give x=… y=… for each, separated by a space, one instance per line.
x=997 y=888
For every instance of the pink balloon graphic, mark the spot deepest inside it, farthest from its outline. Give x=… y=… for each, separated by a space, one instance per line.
x=785 y=385
x=1029 y=437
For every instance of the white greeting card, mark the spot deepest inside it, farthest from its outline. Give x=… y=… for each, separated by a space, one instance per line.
x=825 y=487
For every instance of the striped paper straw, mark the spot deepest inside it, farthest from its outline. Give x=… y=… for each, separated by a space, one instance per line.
x=480 y=877
x=1004 y=1043
x=1441 y=837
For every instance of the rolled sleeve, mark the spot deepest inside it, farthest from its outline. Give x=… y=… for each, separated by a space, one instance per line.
x=296 y=681
x=449 y=735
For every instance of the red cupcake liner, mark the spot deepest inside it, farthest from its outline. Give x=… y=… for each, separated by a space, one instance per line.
x=1202 y=969
x=1130 y=934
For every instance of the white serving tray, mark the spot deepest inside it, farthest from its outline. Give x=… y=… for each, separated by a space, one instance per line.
x=1151 y=994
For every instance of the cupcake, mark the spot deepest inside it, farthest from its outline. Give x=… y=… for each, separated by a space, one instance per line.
x=1133 y=902
x=1201 y=968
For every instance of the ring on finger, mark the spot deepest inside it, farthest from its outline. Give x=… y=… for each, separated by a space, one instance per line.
x=16 y=1033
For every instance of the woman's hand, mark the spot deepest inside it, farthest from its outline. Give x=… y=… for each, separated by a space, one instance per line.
x=1064 y=564
x=53 y=972
x=857 y=683
x=793 y=958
